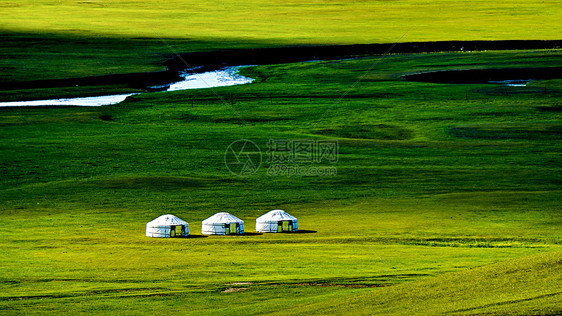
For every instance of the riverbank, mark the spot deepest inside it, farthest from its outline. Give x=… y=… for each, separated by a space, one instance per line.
x=227 y=76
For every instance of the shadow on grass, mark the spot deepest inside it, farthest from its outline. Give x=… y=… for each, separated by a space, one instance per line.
x=251 y=234
x=195 y=236
x=304 y=231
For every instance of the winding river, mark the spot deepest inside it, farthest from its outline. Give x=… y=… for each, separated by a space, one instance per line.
x=227 y=76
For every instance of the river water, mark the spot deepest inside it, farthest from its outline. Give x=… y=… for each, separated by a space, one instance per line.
x=227 y=76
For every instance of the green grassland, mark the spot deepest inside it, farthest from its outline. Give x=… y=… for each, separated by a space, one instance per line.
x=446 y=198
x=46 y=39
x=290 y=21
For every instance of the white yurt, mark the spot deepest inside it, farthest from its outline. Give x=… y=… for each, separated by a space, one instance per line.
x=222 y=224
x=276 y=221
x=167 y=226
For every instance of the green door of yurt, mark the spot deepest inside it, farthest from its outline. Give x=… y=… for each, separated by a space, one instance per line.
x=233 y=228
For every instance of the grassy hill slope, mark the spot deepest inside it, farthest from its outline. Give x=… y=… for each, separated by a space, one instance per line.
x=59 y=39
x=525 y=286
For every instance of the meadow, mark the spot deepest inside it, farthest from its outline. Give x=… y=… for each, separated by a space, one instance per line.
x=446 y=198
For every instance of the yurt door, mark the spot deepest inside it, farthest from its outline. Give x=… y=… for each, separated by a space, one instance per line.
x=226 y=229
x=283 y=226
x=233 y=228
x=176 y=231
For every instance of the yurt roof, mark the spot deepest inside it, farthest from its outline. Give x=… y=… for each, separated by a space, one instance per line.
x=276 y=215
x=223 y=217
x=167 y=220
